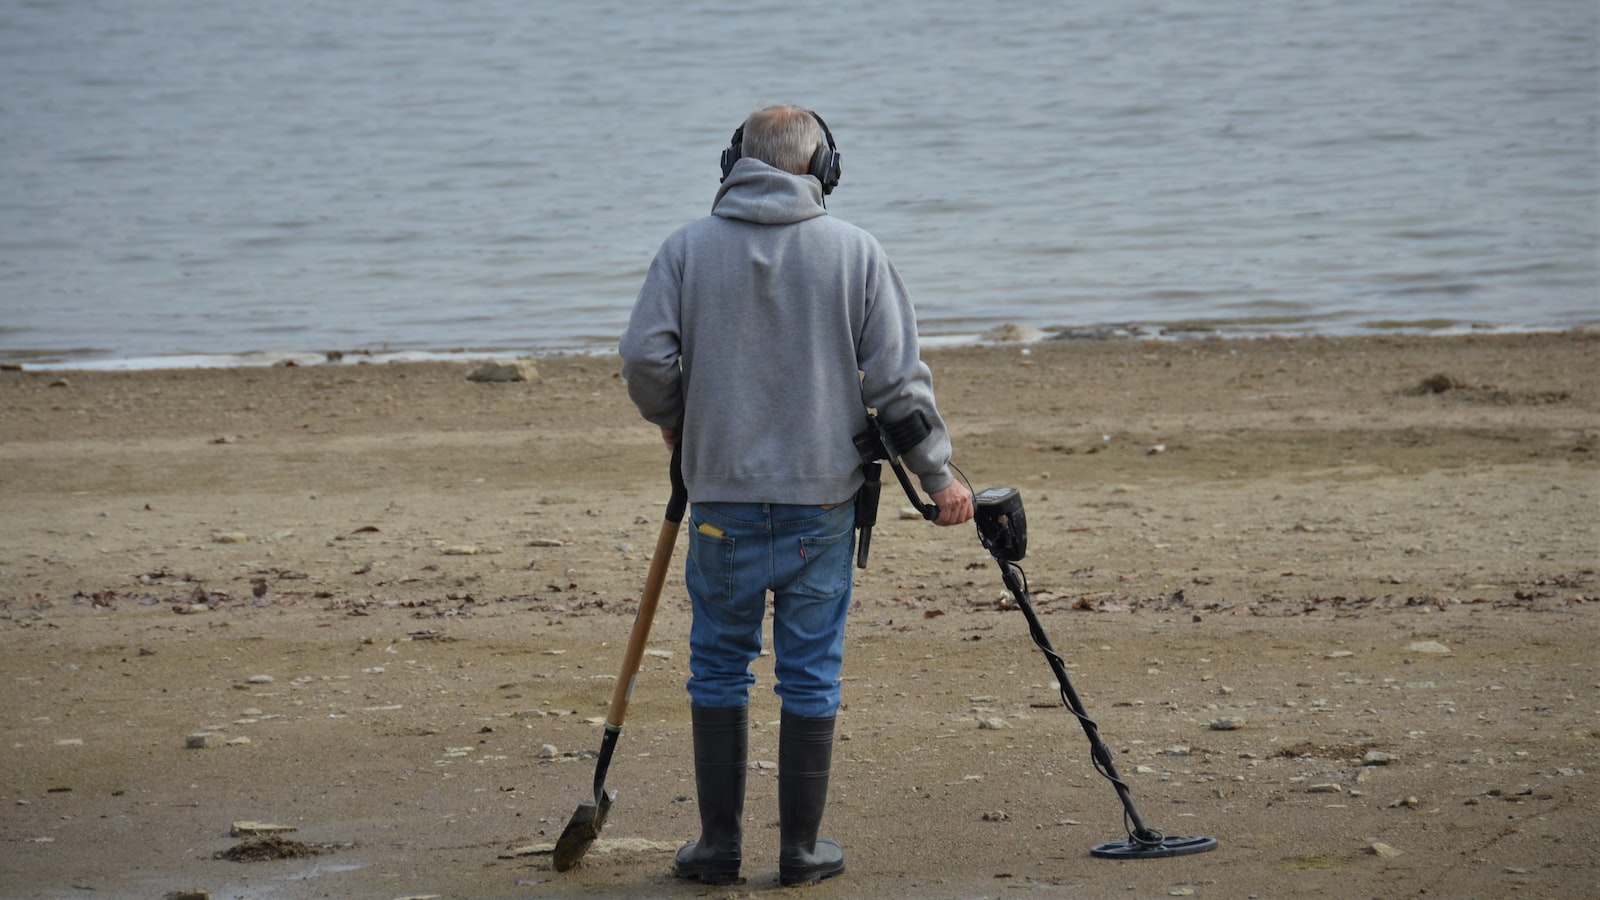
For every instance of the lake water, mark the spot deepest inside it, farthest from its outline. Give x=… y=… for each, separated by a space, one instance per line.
x=191 y=177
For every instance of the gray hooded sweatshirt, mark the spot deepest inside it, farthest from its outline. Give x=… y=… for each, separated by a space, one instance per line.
x=764 y=331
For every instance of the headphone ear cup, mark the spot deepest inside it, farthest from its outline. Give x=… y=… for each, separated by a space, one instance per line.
x=825 y=167
x=732 y=154
x=825 y=162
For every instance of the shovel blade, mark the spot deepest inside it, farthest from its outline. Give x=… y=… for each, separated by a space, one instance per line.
x=582 y=830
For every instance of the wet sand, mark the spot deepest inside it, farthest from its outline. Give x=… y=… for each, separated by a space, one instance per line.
x=397 y=600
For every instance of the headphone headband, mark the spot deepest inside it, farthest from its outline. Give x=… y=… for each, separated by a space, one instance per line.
x=824 y=163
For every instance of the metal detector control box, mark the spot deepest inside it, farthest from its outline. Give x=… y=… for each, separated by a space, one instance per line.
x=1002 y=525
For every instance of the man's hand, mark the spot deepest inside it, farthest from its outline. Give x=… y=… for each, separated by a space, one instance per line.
x=955 y=504
x=669 y=436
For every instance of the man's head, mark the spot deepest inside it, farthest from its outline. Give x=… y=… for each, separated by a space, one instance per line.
x=784 y=137
x=791 y=138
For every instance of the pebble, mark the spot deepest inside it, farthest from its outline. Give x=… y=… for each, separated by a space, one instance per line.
x=659 y=654
x=520 y=370
x=1329 y=788
x=1009 y=333
x=547 y=751
x=1227 y=723
x=994 y=723
x=460 y=550
x=1384 y=850
x=1375 y=758
x=257 y=829
x=259 y=679
x=230 y=537
x=203 y=741
x=1428 y=647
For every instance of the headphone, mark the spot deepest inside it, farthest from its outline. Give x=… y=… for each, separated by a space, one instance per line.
x=824 y=163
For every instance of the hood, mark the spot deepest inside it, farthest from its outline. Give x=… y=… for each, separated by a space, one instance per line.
x=757 y=192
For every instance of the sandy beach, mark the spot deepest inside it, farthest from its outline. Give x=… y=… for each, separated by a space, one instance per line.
x=1332 y=601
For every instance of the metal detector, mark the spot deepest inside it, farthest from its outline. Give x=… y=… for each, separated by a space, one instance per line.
x=1003 y=531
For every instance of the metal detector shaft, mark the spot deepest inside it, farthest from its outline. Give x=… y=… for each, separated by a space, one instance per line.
x=1143 y=841
x=1097 y=748
x=1002 y=529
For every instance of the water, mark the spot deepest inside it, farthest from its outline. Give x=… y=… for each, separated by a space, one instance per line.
x=185 y=177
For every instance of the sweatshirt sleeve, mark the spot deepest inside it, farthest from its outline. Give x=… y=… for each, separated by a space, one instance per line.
x=895 y=380
x=651 y=347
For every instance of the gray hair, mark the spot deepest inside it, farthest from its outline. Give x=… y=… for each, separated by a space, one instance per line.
x=784 y=137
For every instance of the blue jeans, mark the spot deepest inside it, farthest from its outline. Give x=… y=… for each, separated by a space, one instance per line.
x=802 y=554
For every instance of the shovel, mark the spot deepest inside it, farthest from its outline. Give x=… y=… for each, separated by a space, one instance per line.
x=590 y=817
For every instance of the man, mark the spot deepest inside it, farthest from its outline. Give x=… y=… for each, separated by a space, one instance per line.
x=762 y=335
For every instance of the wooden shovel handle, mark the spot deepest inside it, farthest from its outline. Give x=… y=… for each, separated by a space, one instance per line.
x=660 y=562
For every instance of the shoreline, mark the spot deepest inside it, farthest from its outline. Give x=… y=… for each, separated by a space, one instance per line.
x=1007 y=334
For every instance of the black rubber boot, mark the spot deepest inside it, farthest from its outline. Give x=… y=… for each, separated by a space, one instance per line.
x=721 y=747
x=805 y=758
